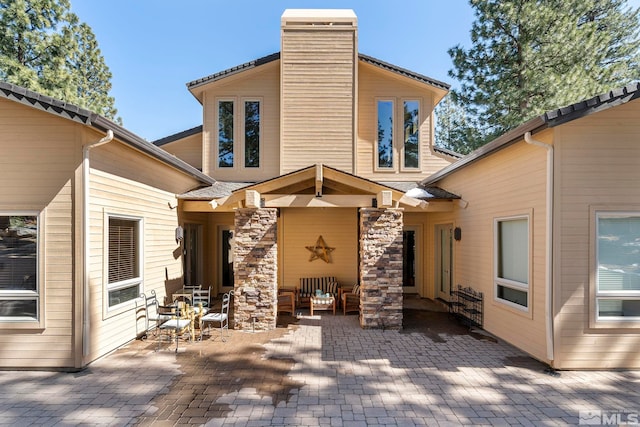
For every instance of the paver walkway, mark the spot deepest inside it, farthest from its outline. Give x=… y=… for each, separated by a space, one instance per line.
x=324 y=370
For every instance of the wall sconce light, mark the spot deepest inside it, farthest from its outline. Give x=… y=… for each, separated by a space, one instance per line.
x=457 y=233
x=179 y=234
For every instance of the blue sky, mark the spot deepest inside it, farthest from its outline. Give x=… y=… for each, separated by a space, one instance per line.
x=154 y=47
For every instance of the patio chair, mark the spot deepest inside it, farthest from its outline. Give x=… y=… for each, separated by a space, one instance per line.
x=201 y=300
x=287 y=302
x=222 y=318
x=351 y=301
x=152 y=312
x=181 y=321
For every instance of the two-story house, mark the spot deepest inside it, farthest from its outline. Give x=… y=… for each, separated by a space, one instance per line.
x=324 y=142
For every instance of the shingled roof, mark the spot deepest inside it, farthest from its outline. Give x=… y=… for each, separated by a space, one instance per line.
x=72 y=112
x=177 y=136
x=276 y=56
x=549 y=119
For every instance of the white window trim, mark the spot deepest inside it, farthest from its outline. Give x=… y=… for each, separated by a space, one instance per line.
x=595 y=295
x=394 y=151
x=404 y=168
x=38 y=295
x=110 y=310
x=236 y=132
x=499 y=281
x=243 y=133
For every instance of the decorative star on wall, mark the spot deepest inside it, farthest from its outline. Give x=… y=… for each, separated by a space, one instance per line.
x=320 y=251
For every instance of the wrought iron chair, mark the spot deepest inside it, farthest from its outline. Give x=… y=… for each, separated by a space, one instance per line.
x=181 y=321
x=222 y=318
x=152 y=313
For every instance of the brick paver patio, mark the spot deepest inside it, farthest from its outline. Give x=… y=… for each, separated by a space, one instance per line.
x=324 y=370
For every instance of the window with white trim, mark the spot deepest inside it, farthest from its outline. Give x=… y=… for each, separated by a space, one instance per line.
x=512 y=261
x=617 y=266
x=19 y=290
x=411 y=134
x=384 y=140
x=124 y=255
x=225 y=134
x=251 y=134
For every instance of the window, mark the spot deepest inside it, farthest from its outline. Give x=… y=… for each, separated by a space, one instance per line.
x=618 y=266
x=124 y=256
x=252 y=134
x=19 y=290
x=512 y=261
x=225 y=134
x=385 y=135
x=411 y=138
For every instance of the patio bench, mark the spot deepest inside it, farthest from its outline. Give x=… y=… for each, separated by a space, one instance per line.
x=309 y=285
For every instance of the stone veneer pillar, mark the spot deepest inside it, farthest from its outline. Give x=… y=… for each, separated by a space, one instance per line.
x=255 y=264
x=381 y=268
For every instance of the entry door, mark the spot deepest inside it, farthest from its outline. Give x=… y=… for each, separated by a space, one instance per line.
x=192 y=256
x=444 y=258
x=225 y=258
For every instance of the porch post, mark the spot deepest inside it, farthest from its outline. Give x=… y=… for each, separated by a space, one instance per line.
x=381 y=268
x=255 y=267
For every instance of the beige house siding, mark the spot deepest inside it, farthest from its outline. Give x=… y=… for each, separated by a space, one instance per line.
x=301 y=227
x=262 y=84
x=318 y=90
x=188 y=149
x=376 y=84
x=38 y=175
x=596 y=167
x=510 y=182
x=139 y=187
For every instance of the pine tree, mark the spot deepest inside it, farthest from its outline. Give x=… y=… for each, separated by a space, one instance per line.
x=45 y=48
x=530 y=56
x=455 y=129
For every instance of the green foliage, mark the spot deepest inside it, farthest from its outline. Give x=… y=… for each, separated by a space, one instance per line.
x=530 y=56
x=45 y=48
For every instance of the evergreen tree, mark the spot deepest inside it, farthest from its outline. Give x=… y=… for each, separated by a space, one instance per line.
x=45 y=48
x=456 y=130
x=530 y=56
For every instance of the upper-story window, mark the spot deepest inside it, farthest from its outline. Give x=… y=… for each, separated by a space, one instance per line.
x=403 y=152
x=252 y=134
x=385 y=134
x=244 y=138
x=225 y=134
x=411 y=134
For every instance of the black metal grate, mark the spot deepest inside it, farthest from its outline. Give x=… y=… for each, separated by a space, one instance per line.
x=467 y=305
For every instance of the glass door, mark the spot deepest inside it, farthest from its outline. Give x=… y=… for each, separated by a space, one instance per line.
x=192 y=254
x=226 y=245
x=410 y=266
x=443 y=264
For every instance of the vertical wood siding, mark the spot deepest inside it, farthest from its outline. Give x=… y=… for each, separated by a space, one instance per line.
x=597 y=165
x=318 y=78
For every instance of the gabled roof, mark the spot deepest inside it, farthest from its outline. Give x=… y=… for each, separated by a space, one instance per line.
x=177 y=136
x=547 y=120
x=72 y=112
x=276 y=56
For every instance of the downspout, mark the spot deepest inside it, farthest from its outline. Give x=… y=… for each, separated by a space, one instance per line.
x=85 y=238
x=549 y=248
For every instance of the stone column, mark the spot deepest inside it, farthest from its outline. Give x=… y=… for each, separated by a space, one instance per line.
x=255 y=264
x=381 y=268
